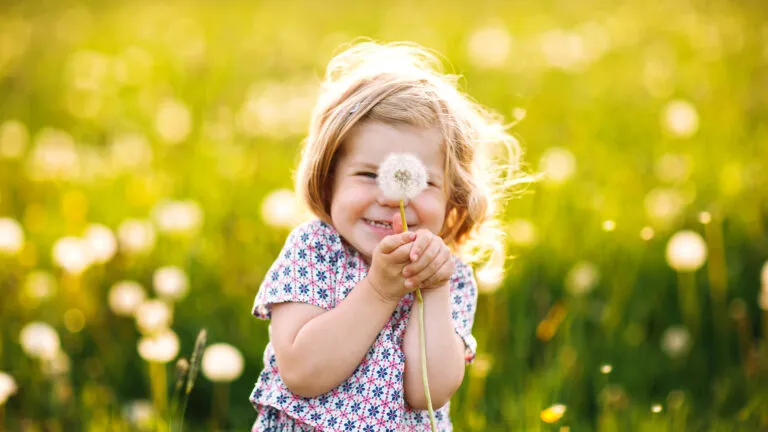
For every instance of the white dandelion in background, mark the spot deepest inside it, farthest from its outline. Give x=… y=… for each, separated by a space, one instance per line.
x=282 y=208
x=558 y=164
x=676 y=341
x=8 y=387
x=686 y=251
x=58 y=365
x=680 y=119
x=582 y=278
x=173 y=121
x=11 y=236
x=39 y=340
x=178 y=217
x=153 y=316
x=171 y=283
x=101 y=241
x=159 y=348
x=222 y=363
x=664 y=205
x=125 y=297
x=73 y=254
x=136 y=236
x=139 y=413
x=762 y=299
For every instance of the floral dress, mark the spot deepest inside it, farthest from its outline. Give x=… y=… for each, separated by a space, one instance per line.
x=315 y=266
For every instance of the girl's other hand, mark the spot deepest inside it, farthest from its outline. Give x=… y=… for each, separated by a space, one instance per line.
x=387 y=263
x=431 y=264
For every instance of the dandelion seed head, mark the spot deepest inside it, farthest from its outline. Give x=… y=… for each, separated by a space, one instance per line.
x=222 y=363
x=39 y=340
x=7 y=387
x=402 y=176
x=686 y=251
x=153 y=316
x=160 y=348
x=125 y=297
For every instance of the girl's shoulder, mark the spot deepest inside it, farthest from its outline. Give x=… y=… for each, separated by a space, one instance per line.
x=314 y=232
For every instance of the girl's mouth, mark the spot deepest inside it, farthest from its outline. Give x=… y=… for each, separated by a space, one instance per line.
x=384 y=227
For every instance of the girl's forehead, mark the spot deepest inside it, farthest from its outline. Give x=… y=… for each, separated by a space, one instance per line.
x=371 y=142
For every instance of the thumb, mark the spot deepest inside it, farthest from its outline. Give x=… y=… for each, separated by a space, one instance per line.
x=397 y=224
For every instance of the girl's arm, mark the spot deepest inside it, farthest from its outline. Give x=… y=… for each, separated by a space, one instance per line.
x=445 y=352
x=316 y=350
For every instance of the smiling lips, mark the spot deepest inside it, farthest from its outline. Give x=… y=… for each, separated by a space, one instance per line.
x=384 y=228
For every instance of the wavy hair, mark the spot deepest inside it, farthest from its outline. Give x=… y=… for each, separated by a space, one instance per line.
x=403 y=83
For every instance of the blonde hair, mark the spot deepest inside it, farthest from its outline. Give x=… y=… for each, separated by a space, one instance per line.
x=403 y=83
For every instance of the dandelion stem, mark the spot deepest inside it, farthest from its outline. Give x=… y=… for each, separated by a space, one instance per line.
x=422 y=340
x=159 y=393
x=688 y=301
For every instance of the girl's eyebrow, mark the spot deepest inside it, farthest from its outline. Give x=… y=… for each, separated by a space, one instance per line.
x=365 y=165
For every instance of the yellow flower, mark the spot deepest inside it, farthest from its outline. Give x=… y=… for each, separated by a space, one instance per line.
x=553 y=413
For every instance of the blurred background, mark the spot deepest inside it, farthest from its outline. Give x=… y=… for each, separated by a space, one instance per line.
x=146 y=153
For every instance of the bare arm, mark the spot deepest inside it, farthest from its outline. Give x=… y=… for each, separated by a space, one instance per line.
x=445 y=352
x=317 y=350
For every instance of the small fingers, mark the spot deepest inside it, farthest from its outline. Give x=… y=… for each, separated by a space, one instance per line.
x=442 y=275
x=423 y=239
x=426 y=259
x=431 y=267
x=392 y=242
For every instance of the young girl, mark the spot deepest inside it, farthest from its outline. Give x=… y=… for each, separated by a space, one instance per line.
x=344 y=345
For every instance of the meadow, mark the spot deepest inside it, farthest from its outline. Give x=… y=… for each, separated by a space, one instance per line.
x=146 y=159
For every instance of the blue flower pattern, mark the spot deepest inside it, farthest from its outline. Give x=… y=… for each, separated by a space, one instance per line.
x=317 y=267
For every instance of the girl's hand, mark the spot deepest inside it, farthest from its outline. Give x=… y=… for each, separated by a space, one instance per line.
x=431 y=264
x=387 y=263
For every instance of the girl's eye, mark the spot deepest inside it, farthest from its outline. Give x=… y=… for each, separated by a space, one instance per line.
x=367 y=174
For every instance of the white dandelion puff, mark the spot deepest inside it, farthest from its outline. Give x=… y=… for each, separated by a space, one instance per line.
x=102 y=242
x=39 y=340
x=686 y=251
x=676 y=341
x=125 y=297
x=160 y=348
x=7 y=387
x=402 y=176
x=171 y=283
x=153 y=316
x=222 y=363
x=11 y=236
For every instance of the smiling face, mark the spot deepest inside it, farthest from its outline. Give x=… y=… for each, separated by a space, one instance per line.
x=359 y=210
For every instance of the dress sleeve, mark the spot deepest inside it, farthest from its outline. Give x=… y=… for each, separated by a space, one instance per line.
x=463 y=306
x=303 y=272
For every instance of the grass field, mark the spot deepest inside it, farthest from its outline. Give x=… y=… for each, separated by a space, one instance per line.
x=145 y=147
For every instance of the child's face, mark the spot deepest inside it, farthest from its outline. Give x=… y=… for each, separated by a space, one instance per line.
x=356 y=197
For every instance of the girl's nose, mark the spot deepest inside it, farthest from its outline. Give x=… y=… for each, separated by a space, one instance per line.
x=385 y=201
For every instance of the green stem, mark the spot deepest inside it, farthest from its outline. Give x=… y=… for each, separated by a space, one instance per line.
x=159 y=393
x=423 y=344
x=422 y=340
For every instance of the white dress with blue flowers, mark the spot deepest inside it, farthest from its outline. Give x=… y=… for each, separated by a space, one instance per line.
x=317 y=267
